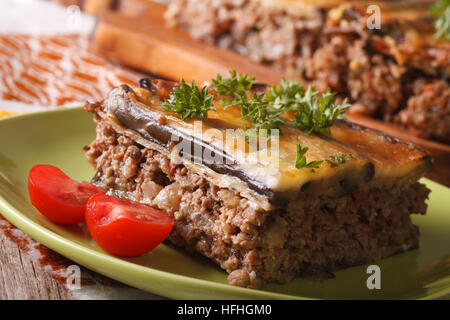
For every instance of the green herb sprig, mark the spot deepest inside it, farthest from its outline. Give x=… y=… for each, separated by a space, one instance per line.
x=286 y=95
x=300 y=161
x=441 y=9
x=313 y=112
x=256 y=108
x=338 y=159
x=189 y=101
x=316 y=113
x=236 y=85
x=260 y=112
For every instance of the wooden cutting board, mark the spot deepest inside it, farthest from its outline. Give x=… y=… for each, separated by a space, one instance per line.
x=135 y=33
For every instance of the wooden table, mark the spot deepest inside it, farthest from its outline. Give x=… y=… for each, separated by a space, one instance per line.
x=29 y=270
x=23 y=278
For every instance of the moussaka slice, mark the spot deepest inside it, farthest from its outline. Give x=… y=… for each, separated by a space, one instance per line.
x=250 y=209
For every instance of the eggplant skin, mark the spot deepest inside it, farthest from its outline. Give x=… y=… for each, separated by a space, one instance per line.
x=377 y=157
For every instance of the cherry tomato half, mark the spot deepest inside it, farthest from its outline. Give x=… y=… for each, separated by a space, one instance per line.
x=57 y=196
x=124 y=227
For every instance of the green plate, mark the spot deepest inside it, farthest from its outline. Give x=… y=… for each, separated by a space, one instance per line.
x=57 y=137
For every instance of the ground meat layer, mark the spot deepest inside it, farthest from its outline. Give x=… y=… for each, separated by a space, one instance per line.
x=332 y=49
x=308 y=237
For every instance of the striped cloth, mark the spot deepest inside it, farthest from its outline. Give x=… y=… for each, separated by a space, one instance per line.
x=54 y=67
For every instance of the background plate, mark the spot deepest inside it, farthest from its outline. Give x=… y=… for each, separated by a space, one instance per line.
x=57 y=137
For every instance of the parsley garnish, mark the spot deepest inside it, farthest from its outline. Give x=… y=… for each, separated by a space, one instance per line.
x=189 y=101
x=300 y=161
x=257 y=107
x=316 y=113
x=339 y=159
x=313 y=112
x=441 y=9
x=235 y=86
x=260 y=112
x=285 y=95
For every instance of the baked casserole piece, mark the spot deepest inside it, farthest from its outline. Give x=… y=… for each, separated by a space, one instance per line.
x=260 y=218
